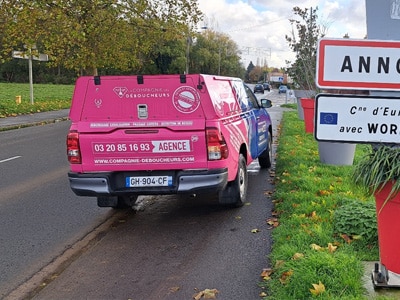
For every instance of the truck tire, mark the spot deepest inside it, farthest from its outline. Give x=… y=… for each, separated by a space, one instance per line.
x=117 y=202
x=125 y=202
x=265 y=159
x=235 y=192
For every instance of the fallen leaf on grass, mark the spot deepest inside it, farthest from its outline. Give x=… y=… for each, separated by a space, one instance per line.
x=274 y=214
x=279 y=263
x=314 y=216
x=297 y=256
x=318 y=289
x=273 y=222
x=346 y=238
x=206 y=294
x=324 y=193
x=285 y=276
x=266 y=274
x=316 y=247
x=331 y=248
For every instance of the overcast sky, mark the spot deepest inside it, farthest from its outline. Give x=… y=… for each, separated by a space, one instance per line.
x=259 y=26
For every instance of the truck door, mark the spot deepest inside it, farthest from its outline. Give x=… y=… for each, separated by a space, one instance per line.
x=258 y=127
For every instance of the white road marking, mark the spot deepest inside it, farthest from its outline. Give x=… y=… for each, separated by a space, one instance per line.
x=11 y=158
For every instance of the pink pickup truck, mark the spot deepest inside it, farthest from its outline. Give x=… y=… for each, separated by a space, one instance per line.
x=165 y=134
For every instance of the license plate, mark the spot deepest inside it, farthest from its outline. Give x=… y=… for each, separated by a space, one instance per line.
x=144 y=181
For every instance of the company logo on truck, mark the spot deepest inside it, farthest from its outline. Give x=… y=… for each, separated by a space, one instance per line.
x=120 y=91
x=186 y=99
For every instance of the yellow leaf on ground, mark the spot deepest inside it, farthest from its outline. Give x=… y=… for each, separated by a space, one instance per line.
x=206 y=294
x=318 y=289
x=285 y=276
x=331 y=248
x=255 y=230
x=279 y=263
x=346 y=238
x=266 y=272
x=297 y=256
x=324 y=193
x=316 y=247
x=273 y=222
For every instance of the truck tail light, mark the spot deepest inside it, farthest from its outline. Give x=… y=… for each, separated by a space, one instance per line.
x=216 y=145
x=73 y=150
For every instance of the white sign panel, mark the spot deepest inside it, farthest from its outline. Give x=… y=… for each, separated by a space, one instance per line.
x=353 y=118
x=358 y=64
x=24 y=55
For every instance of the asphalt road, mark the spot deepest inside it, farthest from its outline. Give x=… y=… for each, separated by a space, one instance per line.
x=39 y=215
x=171 y=248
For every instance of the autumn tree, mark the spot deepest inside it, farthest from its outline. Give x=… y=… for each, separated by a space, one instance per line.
x=215 y=53
x=88 y=35
x=303 y=41
x=256 y=74
x=249 y=69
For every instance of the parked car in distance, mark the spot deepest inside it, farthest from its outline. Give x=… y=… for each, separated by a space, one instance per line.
x=266 y=87
x=258 y=88
x=283 y=89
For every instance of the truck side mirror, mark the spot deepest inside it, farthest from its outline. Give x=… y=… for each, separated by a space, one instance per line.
x=266 y=103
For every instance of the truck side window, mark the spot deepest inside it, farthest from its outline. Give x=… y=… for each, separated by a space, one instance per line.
x=252 y=98
x=241 y=94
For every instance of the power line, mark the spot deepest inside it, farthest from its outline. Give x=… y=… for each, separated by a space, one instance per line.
x=255 y=51
x=256 y=25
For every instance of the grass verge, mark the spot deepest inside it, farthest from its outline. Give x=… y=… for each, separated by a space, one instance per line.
x=324 y=225
x=47 y=97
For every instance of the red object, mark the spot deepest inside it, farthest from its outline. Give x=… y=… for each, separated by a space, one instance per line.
x=388 y=228
x=308 y=105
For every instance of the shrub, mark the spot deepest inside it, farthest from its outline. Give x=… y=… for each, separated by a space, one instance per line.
x=357 y=220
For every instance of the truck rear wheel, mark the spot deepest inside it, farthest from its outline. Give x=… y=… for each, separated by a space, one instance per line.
x=236 y=191
x=117 y=202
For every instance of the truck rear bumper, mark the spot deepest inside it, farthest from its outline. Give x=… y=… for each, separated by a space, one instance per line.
x=113 y=183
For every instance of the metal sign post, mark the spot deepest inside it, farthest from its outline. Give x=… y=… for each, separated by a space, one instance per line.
x=30 y=57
